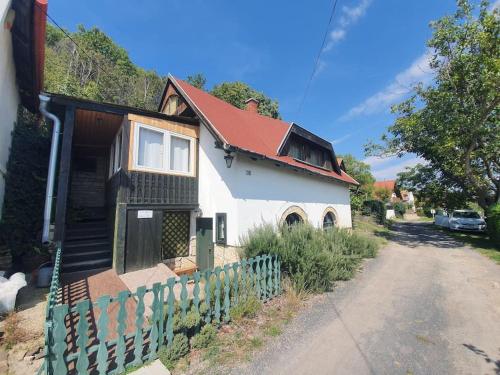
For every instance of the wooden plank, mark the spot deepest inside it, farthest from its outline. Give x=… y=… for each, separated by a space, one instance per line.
x=64 y=173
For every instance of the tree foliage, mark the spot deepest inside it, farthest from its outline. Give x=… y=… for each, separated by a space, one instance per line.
x=236 y=93
x=361 y=172
x=197 y=80
x=454 y=123
x=98 y=69
x=431 y=189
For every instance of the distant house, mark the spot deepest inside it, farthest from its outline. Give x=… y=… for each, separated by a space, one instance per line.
x=187 y=182
x=405 y=196
x=22 y=44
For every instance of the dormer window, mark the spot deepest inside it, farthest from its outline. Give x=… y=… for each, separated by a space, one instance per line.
x=172 y=105
x=308 y=152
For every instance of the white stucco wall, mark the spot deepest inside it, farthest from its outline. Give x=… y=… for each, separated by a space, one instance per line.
x=9 y=95
x=253 y=192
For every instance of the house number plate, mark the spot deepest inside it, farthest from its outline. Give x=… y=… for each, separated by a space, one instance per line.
x=144 y=214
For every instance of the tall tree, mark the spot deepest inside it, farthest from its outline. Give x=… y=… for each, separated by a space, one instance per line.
x=454 y=123
x=197 y=80
x=98 y=69
x=361 y=172
x=236 y=93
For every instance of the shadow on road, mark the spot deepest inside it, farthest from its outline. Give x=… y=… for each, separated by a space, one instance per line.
x=420 y=234
x=486 y=357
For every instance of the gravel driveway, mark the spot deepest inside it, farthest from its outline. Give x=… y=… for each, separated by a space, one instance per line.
x=426 y=305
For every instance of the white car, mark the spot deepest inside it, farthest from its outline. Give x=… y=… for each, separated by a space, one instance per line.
x=466 y=220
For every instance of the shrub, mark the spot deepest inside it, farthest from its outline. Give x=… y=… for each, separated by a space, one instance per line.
x=494 y=223
x=247 y=308
x=203 y=339
x=169 y=355
x=375 y=208
x=400 y=209
x=311 y=257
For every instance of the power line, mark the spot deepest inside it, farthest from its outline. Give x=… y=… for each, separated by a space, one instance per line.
x=81 y=49
x=332 y=13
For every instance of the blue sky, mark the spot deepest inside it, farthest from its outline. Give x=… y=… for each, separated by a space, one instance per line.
x=375 y=50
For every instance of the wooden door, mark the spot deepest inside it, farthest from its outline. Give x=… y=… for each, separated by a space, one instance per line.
x=204 y=243
x=143 y=246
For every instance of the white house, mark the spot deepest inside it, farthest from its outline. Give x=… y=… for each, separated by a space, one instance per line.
x=22 y=37
x=145 y=187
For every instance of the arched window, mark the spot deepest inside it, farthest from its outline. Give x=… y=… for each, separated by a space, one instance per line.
x=292 y=219
x=329 y=220
x=172 y=105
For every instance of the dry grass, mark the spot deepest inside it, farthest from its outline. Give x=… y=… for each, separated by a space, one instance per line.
x=13 y=333
x=238 y=341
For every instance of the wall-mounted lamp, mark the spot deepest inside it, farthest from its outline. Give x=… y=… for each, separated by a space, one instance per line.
x=229 y=159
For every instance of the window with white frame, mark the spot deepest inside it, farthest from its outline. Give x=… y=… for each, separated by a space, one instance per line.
x=160 y=150
x=115 y=154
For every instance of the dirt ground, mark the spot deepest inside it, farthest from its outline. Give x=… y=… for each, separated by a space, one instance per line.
x=426 y=305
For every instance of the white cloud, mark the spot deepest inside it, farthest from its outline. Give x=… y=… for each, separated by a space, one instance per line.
x=402 y=84
x=349 y=16
x=341 y=139
x=386 y=171
x=495 y=5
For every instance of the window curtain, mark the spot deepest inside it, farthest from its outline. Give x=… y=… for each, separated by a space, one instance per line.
x=150 y=148
x=179 y=154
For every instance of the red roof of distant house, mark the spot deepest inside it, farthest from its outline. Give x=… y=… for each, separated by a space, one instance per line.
x=247 y=130
x=386 y=184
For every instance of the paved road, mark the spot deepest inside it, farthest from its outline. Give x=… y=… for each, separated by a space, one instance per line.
x=425 y=305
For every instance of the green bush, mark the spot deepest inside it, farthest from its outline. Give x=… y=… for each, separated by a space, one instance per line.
x=493 y=223
x=206 y=336
x=169 y=355
x=247 y=308
x=375 y=208
x=312 y=258
x=400 y=209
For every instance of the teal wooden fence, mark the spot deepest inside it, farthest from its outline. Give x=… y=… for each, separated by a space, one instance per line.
x=107 y=335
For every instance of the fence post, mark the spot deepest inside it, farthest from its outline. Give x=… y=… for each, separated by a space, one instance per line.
x=122 y=325
x=139 y=321
x=102 y=333
x=59 y=334
x=82 y=329
x=196 y=291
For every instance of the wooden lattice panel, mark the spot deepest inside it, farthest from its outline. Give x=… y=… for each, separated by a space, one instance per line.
x=175 y=234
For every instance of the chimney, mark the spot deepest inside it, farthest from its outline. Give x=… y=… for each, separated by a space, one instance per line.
x=252 y=105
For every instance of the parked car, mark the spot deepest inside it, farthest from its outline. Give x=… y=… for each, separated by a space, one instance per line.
x=467 y=220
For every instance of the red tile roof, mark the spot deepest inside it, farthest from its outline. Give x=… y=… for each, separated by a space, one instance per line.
x=386 y=184
x=247 y=130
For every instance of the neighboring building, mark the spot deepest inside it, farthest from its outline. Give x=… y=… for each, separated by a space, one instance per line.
x=22 y=38
x=139 y=187
x=405 y=196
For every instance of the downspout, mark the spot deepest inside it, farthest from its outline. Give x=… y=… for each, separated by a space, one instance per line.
x=49 y=194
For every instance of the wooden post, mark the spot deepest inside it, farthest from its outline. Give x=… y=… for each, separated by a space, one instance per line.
x=64 y=173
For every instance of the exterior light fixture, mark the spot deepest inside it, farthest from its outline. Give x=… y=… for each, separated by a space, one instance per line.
x=229 y=159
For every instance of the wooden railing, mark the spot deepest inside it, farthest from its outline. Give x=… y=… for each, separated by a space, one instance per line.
x=112 y=333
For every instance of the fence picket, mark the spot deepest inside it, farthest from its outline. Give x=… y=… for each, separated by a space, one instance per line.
x=263 y=287
x=82 y=330
x=139 y=321
x=161 y=323
x=157 y=307
x=59 y=346
x=227 y=288
x=184 y=295
x=257 y=276
x=217 y=294
x=170 y=310
x=102 y=333
x=208 y=317
x=235 y=283
x=121 y=327
x=269 y=277
x=196 y=291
